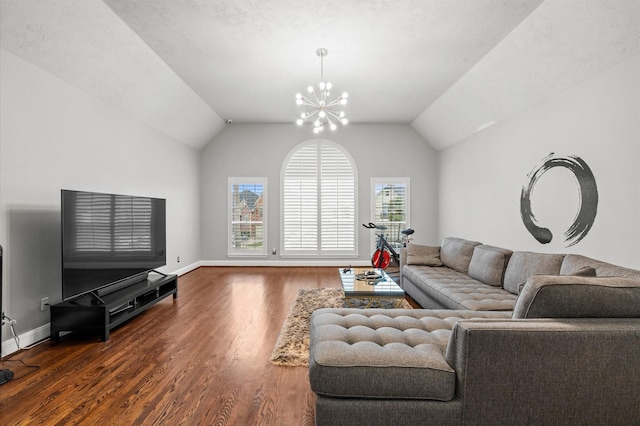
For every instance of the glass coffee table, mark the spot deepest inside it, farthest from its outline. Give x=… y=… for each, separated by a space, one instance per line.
x=357 y=285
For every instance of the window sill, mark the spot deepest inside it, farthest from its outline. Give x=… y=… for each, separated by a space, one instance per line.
x=316 y=256
x=256 y=255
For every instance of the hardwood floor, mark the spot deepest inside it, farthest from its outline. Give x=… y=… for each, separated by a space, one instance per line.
x=202 y=358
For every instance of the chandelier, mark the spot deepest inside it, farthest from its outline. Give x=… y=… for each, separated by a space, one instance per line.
x=325 y=112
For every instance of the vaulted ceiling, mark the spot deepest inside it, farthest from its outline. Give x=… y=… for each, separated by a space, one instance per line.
x=448 y=67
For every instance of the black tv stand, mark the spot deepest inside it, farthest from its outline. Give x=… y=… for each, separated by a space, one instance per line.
x=98 y=315
x=95 y=299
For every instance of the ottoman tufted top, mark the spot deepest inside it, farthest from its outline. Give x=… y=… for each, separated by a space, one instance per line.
x=378 y=353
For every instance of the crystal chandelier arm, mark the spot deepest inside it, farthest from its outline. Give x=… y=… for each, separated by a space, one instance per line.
x=311 y=115
x=334 y=114
x=332 y=125
x=306 y=101
x=316 y=97
x=338 y=101
x=337 y=115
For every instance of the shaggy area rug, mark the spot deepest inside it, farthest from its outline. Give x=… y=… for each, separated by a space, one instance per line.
x=292 y=346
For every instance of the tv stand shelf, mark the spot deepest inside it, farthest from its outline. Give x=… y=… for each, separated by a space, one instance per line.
x=84 y=315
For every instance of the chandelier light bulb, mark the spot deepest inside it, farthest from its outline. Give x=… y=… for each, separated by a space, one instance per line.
x=345 y=121
x=319 y=105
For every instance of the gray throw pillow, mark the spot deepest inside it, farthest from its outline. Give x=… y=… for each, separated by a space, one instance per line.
x=585 y=271
x=423 y=255
x=456 y=253
x=523 y=264
x=488 y=264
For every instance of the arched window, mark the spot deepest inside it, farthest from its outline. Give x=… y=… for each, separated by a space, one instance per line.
x=319 y=182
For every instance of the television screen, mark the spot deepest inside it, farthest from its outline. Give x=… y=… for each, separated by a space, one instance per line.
x=109 y=238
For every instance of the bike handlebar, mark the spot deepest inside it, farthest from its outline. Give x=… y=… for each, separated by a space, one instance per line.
x=372 y=225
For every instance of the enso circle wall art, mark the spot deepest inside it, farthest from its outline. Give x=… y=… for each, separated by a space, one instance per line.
x=588 y=199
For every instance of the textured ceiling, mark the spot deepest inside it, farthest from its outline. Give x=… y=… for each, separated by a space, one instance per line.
x=247 y=59
x=448 y=67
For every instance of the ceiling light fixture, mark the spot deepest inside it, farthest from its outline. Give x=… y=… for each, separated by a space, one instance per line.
x=325 y=111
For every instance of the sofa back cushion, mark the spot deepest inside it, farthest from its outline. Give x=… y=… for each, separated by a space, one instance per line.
x=524 y=264
x=423 y=255
x=566 y=296
x=488 y=264
x=574 y=262
x=456 y=253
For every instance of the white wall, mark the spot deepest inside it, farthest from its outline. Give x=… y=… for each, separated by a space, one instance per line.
x=598 y=120
x=259 y=150
x=55 y=136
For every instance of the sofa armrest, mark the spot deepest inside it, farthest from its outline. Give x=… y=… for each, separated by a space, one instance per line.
x=403 y=261
x=583 y=371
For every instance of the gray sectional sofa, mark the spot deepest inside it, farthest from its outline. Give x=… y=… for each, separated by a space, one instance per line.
x=527 y=338
x=462 y=274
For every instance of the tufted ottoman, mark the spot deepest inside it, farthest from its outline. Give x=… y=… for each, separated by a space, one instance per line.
x=569 y=355
x=387 y=354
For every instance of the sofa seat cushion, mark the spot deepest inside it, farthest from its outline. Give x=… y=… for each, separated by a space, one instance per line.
x=379 y=353
x=456 y=290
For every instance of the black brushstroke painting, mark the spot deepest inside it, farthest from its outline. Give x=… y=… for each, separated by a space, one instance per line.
x=588 y=192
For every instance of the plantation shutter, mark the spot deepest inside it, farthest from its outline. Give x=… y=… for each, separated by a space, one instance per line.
x=319 y=201
x=337 y=200
x=301 y=200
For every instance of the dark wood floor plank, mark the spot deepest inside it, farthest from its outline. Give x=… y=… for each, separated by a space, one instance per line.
x=202 y=358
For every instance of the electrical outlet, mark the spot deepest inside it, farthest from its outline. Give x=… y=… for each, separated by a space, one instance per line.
x=178 y=259
x=44 y=303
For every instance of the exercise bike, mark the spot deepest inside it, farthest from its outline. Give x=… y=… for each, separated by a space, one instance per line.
x=384 y=251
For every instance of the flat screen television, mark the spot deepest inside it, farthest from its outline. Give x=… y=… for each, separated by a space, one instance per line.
x=109 y=241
